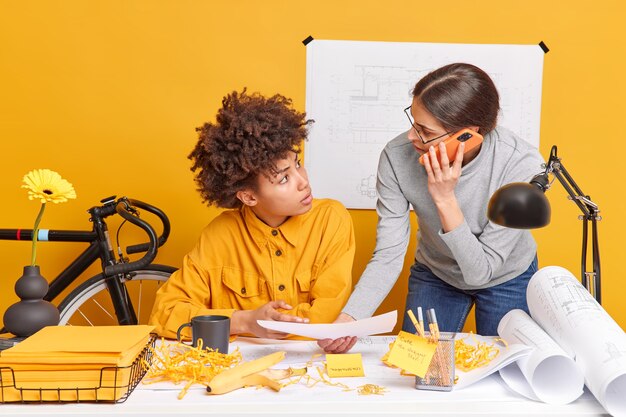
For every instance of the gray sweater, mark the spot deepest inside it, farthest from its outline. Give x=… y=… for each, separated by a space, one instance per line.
x=478 y=253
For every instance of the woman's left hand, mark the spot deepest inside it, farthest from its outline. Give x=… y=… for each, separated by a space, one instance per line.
x=442 y=178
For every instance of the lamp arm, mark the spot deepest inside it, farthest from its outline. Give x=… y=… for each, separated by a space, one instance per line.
x=590 y=280
x=585 y=204
x=596 y=262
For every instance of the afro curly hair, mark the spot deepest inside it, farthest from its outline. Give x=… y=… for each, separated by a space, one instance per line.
x=250 y=134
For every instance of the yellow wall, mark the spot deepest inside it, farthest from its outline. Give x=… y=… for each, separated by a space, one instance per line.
x=108 y=94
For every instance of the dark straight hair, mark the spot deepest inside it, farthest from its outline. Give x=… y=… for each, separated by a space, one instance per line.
x=460 y=95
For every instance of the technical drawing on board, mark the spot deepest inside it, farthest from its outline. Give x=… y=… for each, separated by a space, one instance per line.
x=356 y=92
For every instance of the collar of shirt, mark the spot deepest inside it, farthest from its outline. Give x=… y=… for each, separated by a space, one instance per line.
x=261 y=232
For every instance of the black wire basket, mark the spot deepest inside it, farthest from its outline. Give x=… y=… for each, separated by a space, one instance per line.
x=114 y=386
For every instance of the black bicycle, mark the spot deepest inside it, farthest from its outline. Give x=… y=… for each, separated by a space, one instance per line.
x=123 y=293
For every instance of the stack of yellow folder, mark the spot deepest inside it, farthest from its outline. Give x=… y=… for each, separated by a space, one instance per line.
x=72 y=363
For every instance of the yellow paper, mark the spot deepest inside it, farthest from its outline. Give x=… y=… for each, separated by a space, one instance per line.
x=82 y=339
x=72 y=363
x=412 y=353
x=342 y=365
x=65 y=345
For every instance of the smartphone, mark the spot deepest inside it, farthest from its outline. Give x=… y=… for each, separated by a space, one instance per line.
x=472 y=140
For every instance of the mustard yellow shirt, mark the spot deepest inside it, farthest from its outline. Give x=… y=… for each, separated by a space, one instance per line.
x=240 y=263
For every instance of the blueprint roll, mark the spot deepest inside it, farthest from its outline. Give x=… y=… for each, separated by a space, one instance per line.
x=547 y=373
x=574 y=319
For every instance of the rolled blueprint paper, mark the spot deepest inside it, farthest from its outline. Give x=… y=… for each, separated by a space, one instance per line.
x=548 y=373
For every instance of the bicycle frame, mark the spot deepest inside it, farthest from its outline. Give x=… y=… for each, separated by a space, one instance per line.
x=100 y=248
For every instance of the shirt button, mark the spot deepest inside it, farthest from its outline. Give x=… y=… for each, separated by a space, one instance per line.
x=281 y=287
x=278 y=252
x=243 y=290
x=274 y=232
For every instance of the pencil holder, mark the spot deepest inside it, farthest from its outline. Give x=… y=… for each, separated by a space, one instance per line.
x=440 y=373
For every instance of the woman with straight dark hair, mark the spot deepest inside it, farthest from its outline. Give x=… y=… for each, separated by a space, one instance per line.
x=462 y=259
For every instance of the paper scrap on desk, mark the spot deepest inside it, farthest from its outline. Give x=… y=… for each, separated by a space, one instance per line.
x=374 y=325
x=344 y=364
x=412 y=353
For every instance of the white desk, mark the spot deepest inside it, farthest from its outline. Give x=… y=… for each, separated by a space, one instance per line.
x=487 y=397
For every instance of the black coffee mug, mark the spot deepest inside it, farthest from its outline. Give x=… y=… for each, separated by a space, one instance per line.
x=213 y=330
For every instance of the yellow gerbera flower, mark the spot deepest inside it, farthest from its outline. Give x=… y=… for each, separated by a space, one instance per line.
x=48 y=186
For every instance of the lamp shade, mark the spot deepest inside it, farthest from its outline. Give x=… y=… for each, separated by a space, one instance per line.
x=519 y=205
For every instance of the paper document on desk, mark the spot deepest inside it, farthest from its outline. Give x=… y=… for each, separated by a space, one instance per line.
x=572 y=318
x=374 y=325
x=296 y=351
x=506 y=355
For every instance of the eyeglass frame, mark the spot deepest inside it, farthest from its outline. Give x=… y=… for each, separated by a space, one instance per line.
x=408 y=116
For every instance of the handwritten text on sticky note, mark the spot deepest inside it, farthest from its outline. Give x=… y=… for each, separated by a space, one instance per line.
x=347 y=364
x=412 y=353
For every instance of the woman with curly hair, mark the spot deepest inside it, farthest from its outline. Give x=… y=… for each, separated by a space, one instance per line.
x=276 y=253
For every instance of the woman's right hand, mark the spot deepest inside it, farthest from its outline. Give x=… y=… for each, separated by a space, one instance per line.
x=443 y=177
x=245 y=321
x=341 y=344
x=442 y=180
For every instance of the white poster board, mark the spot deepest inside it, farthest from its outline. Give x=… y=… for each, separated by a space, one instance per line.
x=356 y=92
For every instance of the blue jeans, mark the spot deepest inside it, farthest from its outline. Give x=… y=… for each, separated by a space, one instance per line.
x=452 y=305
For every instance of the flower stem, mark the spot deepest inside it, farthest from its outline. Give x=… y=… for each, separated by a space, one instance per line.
x=35 y=233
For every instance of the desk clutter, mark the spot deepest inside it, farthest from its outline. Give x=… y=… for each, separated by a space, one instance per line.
x=566 y=343
x=76 y=364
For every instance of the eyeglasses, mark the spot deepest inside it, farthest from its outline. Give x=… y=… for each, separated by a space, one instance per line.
x=407 y=111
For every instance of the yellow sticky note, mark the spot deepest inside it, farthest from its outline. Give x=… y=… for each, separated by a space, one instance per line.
x=346 y=364
x=412 y=353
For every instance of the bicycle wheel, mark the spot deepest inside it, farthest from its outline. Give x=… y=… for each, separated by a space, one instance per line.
x=90 y=303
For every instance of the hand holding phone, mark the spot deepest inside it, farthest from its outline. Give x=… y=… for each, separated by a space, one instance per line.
x=471 y=138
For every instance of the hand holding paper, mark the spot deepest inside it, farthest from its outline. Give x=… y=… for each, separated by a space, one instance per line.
x=247 y=321
x=341 y=345
x=374 y=325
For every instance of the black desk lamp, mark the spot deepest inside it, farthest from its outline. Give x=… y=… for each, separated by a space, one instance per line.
x=522 y=205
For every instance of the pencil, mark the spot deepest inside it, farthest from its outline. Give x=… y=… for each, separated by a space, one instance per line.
x=444 y=370
x=420 y=331
x=420 y=319
x=429 y=317
x=434 y=321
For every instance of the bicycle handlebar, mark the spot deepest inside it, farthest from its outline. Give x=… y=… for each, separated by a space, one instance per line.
x=122 y=207
x=142 y=247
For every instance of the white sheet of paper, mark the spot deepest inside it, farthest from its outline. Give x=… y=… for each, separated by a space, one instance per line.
x=296 y=351
x=356 y=90
x=374 y=325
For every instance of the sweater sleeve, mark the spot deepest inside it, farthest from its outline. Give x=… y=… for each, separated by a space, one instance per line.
x=482 y=256
x=392 y=239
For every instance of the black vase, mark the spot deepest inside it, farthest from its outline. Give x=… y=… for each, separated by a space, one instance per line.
x=28 y=316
